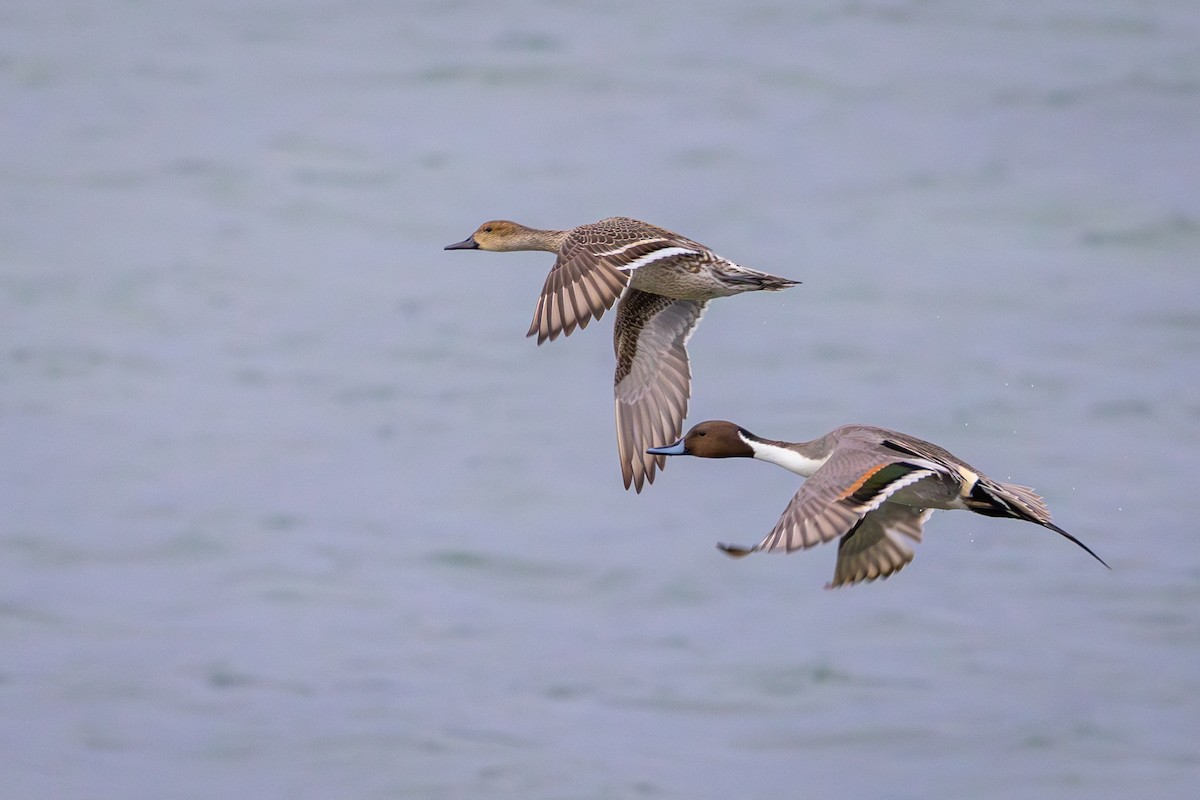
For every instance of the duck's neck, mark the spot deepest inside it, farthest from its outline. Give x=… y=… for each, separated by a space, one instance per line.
x=803 y=458
x=537 y=239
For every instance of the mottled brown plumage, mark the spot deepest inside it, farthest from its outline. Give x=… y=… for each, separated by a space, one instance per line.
x=663 y=281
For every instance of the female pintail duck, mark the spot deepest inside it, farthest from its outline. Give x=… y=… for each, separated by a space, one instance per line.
x=664 y=282
x=870 y=487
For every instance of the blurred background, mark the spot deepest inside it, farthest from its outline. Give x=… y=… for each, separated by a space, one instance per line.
x=289 y=506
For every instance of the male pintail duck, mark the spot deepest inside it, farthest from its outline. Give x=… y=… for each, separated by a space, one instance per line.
x=664 y=282
x=870 y=487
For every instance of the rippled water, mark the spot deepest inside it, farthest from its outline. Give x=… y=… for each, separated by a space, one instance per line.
x=290 y=508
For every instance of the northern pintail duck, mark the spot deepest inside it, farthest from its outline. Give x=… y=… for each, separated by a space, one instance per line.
x=664 y=282
x=870 y=487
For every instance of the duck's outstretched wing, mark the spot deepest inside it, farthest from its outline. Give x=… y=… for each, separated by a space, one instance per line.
x=844 y=499
x=653 y=378
x=595 y=264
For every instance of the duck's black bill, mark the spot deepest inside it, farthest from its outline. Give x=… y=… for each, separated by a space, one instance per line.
x=468 y=243
x=668 y=450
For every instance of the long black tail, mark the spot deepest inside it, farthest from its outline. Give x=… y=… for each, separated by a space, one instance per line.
x=1017 y=502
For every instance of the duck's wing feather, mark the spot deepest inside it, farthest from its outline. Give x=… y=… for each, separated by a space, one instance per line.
x=593 y=268
x=879 y=544
x=653 y=378
x=854 y=482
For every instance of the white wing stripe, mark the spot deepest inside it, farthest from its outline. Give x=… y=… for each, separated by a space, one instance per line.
x=616 y=251
x=893 y=487
x=657 y=255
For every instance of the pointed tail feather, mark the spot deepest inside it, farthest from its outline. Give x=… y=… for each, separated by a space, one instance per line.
x=757 y=281
x=1018 y=502
x=1061 y=532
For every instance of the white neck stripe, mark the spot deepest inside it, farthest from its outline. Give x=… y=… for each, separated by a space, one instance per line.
x=785 y=457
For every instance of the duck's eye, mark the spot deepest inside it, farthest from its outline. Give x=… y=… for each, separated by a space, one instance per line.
x=702 y=433
x=488 y=229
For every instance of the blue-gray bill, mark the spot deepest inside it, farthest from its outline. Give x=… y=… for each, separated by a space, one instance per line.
x=676 y=449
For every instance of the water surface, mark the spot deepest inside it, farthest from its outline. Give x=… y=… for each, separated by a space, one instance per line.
x=290 y=508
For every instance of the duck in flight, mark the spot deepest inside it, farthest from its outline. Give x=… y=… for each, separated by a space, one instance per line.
x=869 y=487
x=663 y=282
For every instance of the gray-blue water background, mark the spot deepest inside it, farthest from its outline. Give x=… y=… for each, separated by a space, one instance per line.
x=289 y=507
